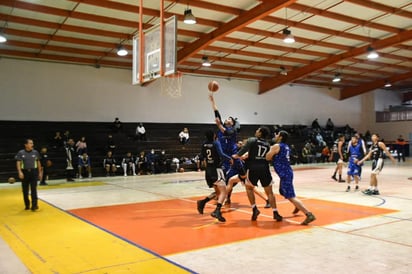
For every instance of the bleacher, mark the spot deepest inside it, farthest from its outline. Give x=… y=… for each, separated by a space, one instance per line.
x=160 y=136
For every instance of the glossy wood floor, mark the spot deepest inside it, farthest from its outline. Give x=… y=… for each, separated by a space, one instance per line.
x=149 y=224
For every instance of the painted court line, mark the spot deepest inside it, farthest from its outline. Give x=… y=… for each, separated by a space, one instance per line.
x=150 y=224
x=52 y=241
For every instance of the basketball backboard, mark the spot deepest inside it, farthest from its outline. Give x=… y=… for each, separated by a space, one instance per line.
x=151 y=55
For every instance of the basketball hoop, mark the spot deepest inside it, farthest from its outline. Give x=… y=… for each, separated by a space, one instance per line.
x=172 y=84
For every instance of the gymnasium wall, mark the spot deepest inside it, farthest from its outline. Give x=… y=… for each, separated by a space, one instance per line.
x=43 y=91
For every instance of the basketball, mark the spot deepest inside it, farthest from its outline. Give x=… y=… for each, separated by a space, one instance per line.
x=49 y=163
x=11 y=180
x=181 y=170
x=213 y=86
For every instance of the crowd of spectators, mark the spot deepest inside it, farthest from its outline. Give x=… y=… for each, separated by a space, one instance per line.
x=314 y=144
x=78 y=163
x=309 y=144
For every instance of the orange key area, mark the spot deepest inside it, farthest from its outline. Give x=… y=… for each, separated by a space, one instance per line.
x=173 y=226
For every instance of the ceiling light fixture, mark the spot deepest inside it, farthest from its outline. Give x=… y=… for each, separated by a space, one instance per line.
x=189 y=18
x=3 y=39
x=287 y=34
x=337 y=78
x=283 y=71
x=288 y=37
x=121 y=51
x=205 y=61
x=372 y=54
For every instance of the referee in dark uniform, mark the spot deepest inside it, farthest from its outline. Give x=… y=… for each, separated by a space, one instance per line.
x=29 y=170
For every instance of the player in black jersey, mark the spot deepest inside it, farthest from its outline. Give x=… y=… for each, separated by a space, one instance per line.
x=337 y=157
x=376 y=153
x=212 y=157
x=241 y=178
x=258 y=170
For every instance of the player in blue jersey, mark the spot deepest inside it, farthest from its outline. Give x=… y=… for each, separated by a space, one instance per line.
x=355 y=152
x=226 y=134
x=212 y=156
x=279 y=155
x=363 y=150
x=227 y=137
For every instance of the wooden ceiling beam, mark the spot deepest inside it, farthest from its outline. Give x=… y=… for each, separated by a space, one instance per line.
x=354 y=91
x=60 y=38
x=66 y=27
x=319 y=29
x=59 y=49
x=271 y=83
x=220 y=74
x=380 y=7
x=344 y=18
x=210 y=6
x=149 y=12
x=66 y=59
x=263 y=56
x=280 y=36
x=273 y=47
x=234 y=69
x=262 y=10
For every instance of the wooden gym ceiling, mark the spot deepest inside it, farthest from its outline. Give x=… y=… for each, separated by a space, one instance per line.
x=242 y=38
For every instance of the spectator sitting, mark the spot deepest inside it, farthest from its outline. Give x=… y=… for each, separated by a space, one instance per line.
x=84 y=166
x=140 y=133
x=81 y=146
x=319 y=140
x=177 y=163
x=315 y=124
x=294 y=156
x=57 y=140
x=163 y=164
x=184 y=136
x=109 y=164
x=329 y=125
x=185 y=161
x=117 y=125
x=128 y=164
x=111 y=146
x=325 y=154
x=151 y=161
x=196 y=160
x=141 y=162
x=66 y=137
x=307 y=153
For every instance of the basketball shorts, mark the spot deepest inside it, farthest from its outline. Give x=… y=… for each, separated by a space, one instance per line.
x=236 y=169
x=377 y=166
x=261 y=174
x=286 y=188
x=353 y=169
x=213 y=175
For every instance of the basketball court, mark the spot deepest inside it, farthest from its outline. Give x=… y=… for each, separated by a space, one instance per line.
x=149 y=224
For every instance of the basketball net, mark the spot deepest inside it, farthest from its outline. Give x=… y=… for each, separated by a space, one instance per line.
x=172 y=84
